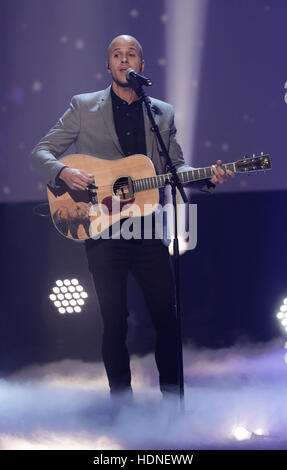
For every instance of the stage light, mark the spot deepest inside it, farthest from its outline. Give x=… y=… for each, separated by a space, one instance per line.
x=68 y=296
x=186 y=25
x=182 y=245
x=259 y=432
x=240 y=433
x=282 y=314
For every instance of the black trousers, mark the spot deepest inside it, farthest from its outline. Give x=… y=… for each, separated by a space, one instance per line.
x=110 y=261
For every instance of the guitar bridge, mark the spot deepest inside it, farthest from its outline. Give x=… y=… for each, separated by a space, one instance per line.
x=92 y=191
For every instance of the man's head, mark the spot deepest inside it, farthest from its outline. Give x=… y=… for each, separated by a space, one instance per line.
x=124 y=52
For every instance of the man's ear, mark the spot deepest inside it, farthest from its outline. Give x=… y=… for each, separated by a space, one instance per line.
x=108 y=67
x=142 y=66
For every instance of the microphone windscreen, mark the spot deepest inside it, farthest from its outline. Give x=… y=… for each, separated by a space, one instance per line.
x=127 y=73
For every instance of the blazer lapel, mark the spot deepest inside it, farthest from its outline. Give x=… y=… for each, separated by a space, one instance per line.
x=149 y=135
x=107 y=112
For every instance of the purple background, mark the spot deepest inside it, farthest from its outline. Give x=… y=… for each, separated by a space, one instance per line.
x=51 y=50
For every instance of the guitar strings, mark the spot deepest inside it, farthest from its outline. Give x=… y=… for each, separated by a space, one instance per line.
x=157 y=178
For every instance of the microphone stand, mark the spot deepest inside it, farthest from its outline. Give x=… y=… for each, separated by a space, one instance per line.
x=175 y=183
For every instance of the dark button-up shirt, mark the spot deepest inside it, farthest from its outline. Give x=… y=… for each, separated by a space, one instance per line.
x=129 y=124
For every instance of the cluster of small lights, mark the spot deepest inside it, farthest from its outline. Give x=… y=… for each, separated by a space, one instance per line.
x=68 y=296
x=282 y=314
x=242 y=434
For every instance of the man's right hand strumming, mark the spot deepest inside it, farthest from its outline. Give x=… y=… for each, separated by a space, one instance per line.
x=76 y=179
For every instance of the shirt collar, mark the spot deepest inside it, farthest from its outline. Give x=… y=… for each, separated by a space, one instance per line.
x=119 y=101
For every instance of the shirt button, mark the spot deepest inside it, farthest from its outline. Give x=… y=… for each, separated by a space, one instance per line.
x=128 y=133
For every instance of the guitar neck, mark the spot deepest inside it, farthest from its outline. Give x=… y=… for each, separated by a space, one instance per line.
x=159 y=181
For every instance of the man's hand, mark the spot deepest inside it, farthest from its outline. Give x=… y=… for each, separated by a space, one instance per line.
x=76 y=179
x=219 y=174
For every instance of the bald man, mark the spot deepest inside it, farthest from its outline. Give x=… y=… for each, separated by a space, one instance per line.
x=113 y=124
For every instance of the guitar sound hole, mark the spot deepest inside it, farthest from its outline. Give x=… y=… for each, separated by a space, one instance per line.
x=121 y=189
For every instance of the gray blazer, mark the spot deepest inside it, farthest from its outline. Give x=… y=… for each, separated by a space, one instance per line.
x=89 y=123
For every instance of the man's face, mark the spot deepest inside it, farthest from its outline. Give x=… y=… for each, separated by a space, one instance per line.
x=124 y=54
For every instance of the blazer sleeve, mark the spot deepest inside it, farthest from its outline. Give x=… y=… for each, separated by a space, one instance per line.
x=45 y=154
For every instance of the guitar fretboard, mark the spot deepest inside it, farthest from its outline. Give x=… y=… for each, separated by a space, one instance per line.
x=159 y=181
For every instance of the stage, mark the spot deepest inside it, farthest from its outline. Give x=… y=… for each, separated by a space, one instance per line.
x=234 y=399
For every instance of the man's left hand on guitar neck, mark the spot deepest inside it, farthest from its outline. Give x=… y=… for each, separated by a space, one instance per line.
x=219 y=174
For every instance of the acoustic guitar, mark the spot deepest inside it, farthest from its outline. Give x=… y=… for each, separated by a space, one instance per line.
x=127 y=187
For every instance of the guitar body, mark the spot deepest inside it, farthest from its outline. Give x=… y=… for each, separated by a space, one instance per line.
x=78 y=216
x=122 y=188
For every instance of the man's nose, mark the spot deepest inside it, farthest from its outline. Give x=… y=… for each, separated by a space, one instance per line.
x=124 y=59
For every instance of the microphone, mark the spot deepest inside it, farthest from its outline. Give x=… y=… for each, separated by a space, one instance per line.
x=132 y=75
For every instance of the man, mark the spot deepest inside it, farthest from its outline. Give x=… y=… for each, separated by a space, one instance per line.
x=113 y=124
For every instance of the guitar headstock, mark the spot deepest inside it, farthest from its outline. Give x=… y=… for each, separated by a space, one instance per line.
x=255 y=163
